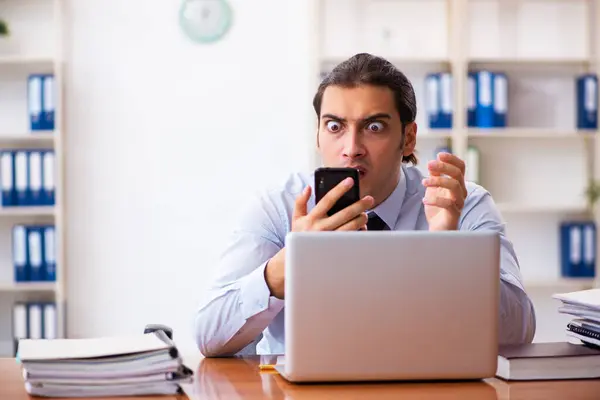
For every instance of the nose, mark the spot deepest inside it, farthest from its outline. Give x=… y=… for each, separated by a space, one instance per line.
x=353 y=144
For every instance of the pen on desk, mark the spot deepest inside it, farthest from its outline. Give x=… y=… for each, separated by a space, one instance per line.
x=266 y=367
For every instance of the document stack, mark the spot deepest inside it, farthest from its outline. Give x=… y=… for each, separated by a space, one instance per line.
x=145 y=364
x=584 y=306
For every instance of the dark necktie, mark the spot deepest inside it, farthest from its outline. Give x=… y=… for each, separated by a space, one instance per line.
x=375 y=223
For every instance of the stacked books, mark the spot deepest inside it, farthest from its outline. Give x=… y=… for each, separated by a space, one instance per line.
x=584 y=306
x=145 y=364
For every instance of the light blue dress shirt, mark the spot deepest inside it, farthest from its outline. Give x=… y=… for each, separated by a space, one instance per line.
x=239 y=307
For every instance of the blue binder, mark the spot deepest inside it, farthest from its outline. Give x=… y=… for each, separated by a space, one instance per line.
x=20 y=253
x=432 y=100
x=35 y=248
x=22 y=178
x=471 y=99
x=20 y=323
x=485 y=94
x=34 y=101
x=35 y=178
x=48 y=103
x=589 y=249
x=445 y=102
x=50 y=253
x=48 y=178
x=49 y=323
x=35 y=316
x=500 y=103
x=573 y=250
x=587 y=101
x=7 y=178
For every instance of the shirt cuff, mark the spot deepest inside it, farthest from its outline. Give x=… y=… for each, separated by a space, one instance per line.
x=255 y=296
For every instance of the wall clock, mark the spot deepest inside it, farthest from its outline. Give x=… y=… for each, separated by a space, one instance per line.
x=205 y=21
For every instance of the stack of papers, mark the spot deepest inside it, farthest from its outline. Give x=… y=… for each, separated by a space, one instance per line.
x=146 y=364
x=584 y=306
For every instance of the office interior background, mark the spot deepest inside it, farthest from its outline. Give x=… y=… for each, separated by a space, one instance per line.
x=156 y=140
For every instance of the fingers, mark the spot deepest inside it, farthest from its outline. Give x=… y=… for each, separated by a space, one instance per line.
x=453 y=160
x=356 y=224
x=347 y=214
x=442 y=202
x=331 y=197
x=438 y=168
x=452 y=185
x=300 y=206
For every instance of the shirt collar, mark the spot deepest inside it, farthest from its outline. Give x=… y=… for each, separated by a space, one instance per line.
x=389 y=209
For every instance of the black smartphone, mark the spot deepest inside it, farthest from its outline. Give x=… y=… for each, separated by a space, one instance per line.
x=327 y=178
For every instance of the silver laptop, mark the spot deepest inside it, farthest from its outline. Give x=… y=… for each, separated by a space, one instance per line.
x=400 y=305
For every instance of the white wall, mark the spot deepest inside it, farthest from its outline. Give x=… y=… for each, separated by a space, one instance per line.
x=165 y=141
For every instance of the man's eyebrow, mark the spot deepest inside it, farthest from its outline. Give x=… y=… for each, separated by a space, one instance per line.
x=378 y=116
x=369 y=118
x=331 y=116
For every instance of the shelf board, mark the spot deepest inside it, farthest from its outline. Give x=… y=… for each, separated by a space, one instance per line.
x=541 y=208
x=537 y=61
x=529 y=133
x=562 y=284
x=434 y=134
x=17 y=59
x=33 y=211
x=45 y=138
x=28 y=287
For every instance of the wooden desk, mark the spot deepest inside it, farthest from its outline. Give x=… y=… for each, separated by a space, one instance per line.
x=240 y=378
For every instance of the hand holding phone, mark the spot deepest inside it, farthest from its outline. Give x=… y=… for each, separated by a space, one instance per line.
x=338 y=208
x=328 y=178
x=338 y=203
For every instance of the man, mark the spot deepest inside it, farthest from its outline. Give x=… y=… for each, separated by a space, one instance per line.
x=366 y=110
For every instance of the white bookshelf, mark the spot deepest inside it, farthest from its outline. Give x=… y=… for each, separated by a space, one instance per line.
x=537 y=168
x=33 y=46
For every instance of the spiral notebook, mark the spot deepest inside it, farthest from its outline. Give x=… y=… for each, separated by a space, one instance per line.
x=584 y=306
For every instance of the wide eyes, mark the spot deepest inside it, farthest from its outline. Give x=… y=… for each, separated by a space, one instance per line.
x=334 y=126
x=375 y=126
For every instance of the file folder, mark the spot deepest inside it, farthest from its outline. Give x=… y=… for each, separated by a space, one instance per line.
x=22 y=178
x=50 y=253
x=587 y=101
x=35 y=249
x=445 y=93
x=485 y=112
x=48 y=178
x=471 y=99
x=49 y=321
x=472 y=164
x=35 y=315
x=20 y=326
x=572 y=250
x=7 y=176
x=35 y=178
x=500 y=103
x=34 y=100
x=589 y=249
x=432 y=100
x=49 y=103
x=20 y=256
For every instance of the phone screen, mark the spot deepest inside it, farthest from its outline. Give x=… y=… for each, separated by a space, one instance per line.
x=327 y=178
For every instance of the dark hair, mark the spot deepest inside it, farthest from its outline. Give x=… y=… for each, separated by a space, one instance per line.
x=367 y=69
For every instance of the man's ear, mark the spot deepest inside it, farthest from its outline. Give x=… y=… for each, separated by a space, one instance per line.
x=410 y=138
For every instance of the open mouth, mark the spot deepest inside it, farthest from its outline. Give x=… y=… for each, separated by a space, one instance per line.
x=361 y=171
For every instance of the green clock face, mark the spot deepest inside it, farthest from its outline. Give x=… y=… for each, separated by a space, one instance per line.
x=205 y=21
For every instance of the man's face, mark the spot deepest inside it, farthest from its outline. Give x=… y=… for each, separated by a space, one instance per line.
x=360 y=128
